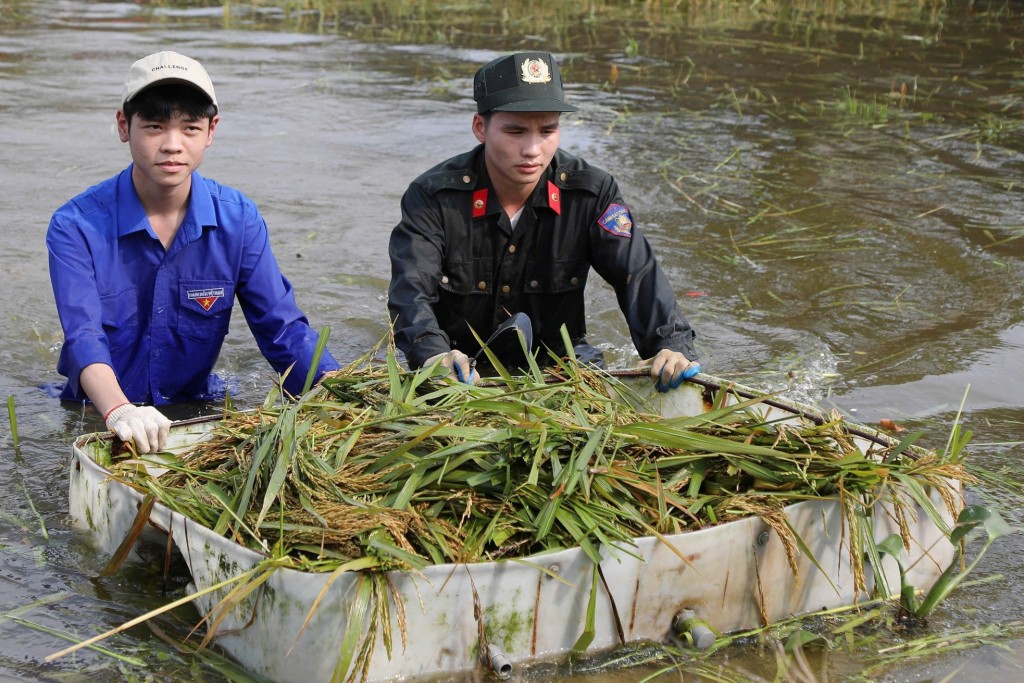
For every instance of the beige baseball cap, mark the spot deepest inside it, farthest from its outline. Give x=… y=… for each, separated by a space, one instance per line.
x=167 y=67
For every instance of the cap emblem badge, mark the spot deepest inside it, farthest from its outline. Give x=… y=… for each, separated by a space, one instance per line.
x=536 y=71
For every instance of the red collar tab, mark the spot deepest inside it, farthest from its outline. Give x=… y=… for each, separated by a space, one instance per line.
x=554 y=198
x=480 y=203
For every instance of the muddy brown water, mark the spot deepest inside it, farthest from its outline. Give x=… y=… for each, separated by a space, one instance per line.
x=836 y=193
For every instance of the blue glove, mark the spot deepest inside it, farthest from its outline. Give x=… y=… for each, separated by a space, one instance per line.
x=459 y=373
x=686 y=374
x=459 y=365
x=668 y=360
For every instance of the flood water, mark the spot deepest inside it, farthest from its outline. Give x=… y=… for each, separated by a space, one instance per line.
x=835 y=189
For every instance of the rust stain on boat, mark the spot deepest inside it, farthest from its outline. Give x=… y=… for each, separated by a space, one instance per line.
x=536 y=613
x=725 y=585
x=632 y=609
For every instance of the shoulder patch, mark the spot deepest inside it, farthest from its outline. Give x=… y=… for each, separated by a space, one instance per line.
x=617 y=220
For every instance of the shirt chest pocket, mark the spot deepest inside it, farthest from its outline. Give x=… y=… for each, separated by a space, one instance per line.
x=204 y=308
x=555 y=277
x=465 y=278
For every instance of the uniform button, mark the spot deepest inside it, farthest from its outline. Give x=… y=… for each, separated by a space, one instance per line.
x=534 y=284
x=563 y=176
x=575 y=280
x=506 y=289
x=481 y=285
x=511 y=248
x=444 y=279
x=466 y=179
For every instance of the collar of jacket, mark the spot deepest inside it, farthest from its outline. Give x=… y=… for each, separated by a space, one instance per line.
x=545 y=194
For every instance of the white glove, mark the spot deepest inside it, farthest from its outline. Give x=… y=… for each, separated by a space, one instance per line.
x=145 y=424
x=458 y=363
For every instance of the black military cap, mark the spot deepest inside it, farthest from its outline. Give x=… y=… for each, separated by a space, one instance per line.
x=525 y=81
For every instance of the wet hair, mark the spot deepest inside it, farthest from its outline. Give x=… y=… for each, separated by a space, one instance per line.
x=161 y=102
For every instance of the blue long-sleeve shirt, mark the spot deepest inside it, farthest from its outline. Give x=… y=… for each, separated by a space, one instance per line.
x=159 y=317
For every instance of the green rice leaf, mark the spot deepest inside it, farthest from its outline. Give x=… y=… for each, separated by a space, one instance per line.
x=314 y=365
x=354 y=625
x=587 y=637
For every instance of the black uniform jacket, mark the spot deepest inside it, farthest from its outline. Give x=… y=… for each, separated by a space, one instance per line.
x=457 y=264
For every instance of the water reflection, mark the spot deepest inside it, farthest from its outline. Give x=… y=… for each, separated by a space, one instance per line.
x=834 y=190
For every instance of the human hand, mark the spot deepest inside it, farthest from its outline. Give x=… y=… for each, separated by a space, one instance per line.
x=146 y=425
x=669 y=369
x=459 y=364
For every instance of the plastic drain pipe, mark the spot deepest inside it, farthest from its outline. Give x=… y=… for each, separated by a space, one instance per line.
x=694 y=630
x=498 y=662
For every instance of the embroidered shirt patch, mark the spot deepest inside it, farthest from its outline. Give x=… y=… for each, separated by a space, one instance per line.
x=617 y=221
x=205 y=297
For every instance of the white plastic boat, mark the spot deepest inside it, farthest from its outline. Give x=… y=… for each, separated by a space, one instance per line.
x=736 y=576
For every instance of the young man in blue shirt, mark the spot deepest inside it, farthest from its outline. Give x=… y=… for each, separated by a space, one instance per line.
x=146 y=265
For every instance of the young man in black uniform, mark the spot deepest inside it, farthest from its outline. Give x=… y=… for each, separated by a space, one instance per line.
x=515 y=225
